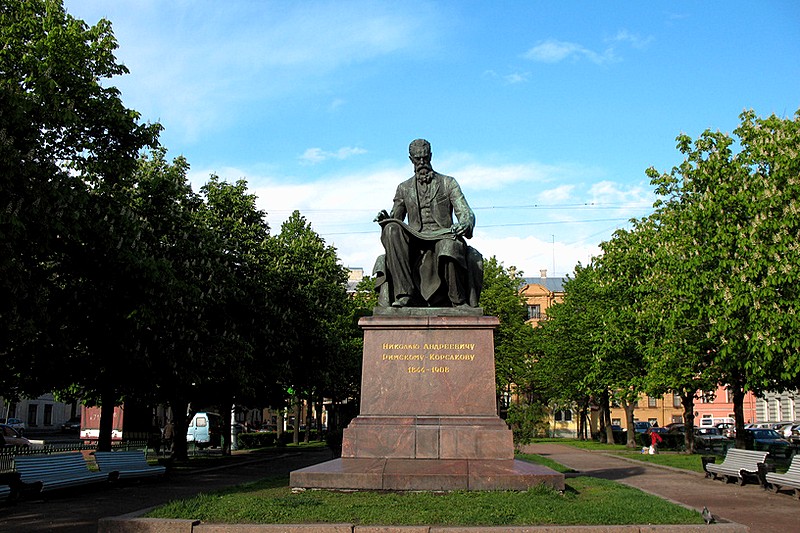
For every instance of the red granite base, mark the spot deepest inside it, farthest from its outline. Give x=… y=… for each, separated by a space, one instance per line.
x=428 y=414
x=425 y=474
x=428 y=437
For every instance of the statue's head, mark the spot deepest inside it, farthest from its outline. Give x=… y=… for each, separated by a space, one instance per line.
x=419 y=152
x=419 y=148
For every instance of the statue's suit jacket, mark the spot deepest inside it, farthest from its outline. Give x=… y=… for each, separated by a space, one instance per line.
x=446 y=200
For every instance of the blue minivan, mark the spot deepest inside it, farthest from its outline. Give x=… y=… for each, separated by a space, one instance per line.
x=204 y=430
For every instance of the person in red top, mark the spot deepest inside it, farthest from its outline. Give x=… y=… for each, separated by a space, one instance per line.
x=655 y=440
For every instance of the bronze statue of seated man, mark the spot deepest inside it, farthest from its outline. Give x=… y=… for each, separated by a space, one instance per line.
x=427 y=261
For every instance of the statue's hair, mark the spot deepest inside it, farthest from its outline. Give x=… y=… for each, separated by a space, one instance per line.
x=419 y=147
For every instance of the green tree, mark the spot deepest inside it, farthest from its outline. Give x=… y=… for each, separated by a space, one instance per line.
x=67 y=148
x=739 y=212
x=310 y=283
x=567 y=348
x=172 y=323
x=513 y=344
x=620 y=353
x=238 y=309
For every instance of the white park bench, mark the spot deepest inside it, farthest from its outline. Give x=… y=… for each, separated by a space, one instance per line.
x=738 y=465
x=57 y=471
x=127 y=465
x=791 y=479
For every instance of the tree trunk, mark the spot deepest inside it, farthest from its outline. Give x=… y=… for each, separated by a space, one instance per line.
x=318 y=420
x=309 y=418
x=280 y=423
x=581 y=421
x=606 y=432
x=180 y=425
x=631 y=437
x=225 y=438
x=107 y=404
x=687 y=400
x=297 y=411
x=738 y=416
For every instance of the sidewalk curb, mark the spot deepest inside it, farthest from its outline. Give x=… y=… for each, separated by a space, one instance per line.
x=157 y=525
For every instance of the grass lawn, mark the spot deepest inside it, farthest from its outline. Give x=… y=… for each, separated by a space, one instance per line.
x=666 y=458
x=587 y=501
x=583 y=444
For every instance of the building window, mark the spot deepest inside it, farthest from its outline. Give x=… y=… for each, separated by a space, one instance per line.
x=676 y=399
x=616 y=421
x=32 y=413
x=652 y=401
x=653 y=422
x=48 y=414
x=728 y=396
x=677 y=419
x=534 y=311
x=563 y=415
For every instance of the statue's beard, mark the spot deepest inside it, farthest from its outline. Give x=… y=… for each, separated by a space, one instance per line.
x=424 y=173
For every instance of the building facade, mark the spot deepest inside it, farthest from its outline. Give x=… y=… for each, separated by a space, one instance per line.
x=39 y=414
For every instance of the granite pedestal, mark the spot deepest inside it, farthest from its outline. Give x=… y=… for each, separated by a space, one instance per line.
x=428 y=418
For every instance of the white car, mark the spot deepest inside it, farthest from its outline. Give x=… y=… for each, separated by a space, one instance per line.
x=15 y=423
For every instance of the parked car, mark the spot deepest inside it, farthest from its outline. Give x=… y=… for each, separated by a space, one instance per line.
x=770 y=441
x=656 y=429
x=727 y=428
x=73 y=425
x=795 y=437
x=641 y=427
x=676 y=428
x=785 y=429
x=707 y=438
x=15 y=423
x=12 y=437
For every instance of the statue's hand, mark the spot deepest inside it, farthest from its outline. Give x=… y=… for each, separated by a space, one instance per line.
x=382 y=215
x=459 y=229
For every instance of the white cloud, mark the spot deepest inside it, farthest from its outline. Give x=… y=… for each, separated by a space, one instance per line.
x=532 y=254
x=312 y=156
x=558 y=194
x=635 y=40
x=554 y=51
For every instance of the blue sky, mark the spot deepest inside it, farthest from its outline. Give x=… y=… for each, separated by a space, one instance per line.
x=547 y=113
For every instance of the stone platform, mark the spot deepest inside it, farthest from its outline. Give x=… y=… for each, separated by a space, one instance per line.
x=425 y=474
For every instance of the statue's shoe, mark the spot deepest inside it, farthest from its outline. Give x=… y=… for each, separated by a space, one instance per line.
x=403 y=301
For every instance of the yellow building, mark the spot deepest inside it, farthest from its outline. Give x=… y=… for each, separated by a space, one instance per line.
x=540 y=293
